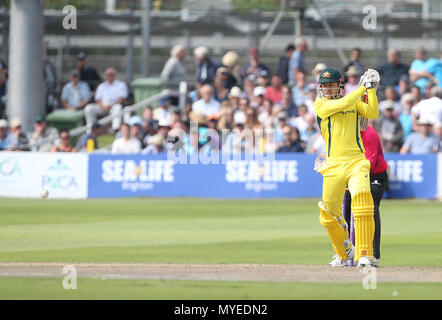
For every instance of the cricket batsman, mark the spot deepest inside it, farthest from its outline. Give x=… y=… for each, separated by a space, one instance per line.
x=378 y=183
x=345 y=164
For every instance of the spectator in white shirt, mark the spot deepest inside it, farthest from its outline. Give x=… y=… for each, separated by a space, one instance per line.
x=207 y=104
x=429 y=108
x=109 y=98
x=126 y=144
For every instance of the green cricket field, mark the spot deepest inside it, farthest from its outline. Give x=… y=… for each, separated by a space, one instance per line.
x=176 y=248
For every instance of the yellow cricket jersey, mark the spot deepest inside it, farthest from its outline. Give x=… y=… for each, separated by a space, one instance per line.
x=338 y=120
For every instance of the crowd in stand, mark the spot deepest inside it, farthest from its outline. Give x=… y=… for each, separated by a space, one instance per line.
x=248 y=108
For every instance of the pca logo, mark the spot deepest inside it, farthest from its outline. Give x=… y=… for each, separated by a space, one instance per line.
x=58 y=176
x=10 y=167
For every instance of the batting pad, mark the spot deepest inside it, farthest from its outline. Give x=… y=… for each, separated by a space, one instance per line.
x=363 y=211
x=335 y=231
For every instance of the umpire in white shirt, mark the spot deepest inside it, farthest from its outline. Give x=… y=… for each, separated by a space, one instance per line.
x=109 y=98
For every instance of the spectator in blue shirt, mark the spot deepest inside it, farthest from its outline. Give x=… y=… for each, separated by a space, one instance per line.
x=5 y=135
x=405 y=117
x=423 y=141
x=419 y=70
x=297 y=62
x=82 y=141
x=75 y=94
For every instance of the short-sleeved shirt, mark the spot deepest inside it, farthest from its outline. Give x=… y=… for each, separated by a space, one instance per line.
x=209 y=109
x=6 y=142
x=296 y=62
x=420 y=145
x=434 y=67
x=74 y=95
x=430 y=109
x=110 y=93
x=420 y=65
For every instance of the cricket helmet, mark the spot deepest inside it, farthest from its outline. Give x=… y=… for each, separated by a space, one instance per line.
x=331 y=75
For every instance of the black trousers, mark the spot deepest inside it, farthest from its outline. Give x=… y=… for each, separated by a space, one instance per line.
x=378 y=184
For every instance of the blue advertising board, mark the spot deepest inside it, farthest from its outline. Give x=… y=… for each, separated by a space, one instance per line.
x=285 y=176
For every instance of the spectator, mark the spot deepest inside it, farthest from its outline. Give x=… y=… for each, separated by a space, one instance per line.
x=418 y=72
x=234 y=97
x=88 y=141
x=254 y=68
x=430 y=108
x=109 y=98
x=308 y=134
x=300 y=90
x=230 y=62
x=205 y=66
x=264 y=79
x=258 y=97
x=390 y=130
x=206 y=105
x=252 y=119
x=352 y=83
x=220 y=91
x=317 y=70
x=403 y=86
x=434 y=67
x=174 y=70
x=405 y=117
x=150 y=128
x=126 y=143
x=265 y=113
x=162 y=112
x=148 y=113
x=5 y=135
x=228 y=78
x=355 y=55
x=249 y=86
x=41 y=133
x=273 y=92
x=423 y=141
x=19 y=141
x=300 y=122
x=283 y=64
x=416 y=92
x=287 y=103
x=392 y=70
x=226 y=120
x=64 y=143
x=136 y=123
x=87 y=73
x=156 y=145
x=282 y=121
x=312 y=94
x=291 y=142
x=297 y=62
x=75 y=94
x=390 y=98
